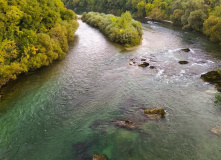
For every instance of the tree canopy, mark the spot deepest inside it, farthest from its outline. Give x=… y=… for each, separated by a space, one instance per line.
x=33 y=33
x=199 y=15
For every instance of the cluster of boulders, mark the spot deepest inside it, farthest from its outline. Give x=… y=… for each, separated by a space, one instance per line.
x=152 y=114
x=213 y=77
x=141 y=63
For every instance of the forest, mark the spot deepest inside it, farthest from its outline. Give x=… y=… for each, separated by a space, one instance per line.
x=33 y=33
x=198 y=15
x=123 y=30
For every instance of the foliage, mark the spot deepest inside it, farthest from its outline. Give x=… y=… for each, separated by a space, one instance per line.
x=212 y=26
x=141 y=9
x=123 y=30
x=196 y=19
x=176 y=17
x=199 y=15
x=33 y=33
x=218 y=99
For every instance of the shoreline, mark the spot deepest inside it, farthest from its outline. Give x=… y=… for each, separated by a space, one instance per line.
x=163 y=21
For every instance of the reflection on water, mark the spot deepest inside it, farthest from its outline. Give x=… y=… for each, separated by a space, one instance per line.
x=68 y=110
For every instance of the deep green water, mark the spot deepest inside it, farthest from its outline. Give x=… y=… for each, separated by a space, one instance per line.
x=67 y=111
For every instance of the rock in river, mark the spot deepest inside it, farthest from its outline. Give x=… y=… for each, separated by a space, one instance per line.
x=185 y=49
x=212 y=76
x=152 y=67
x=183 y=62
x=155 y=113
x=100 y=157
x=144 y=64
x=216 y=130
x=132 y=59
x=126 y=124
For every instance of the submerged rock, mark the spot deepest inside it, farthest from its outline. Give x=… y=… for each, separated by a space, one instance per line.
x=183 y=62
x=212 y=76
x=155 y=113
x=144 y=64
x=152 y=67
x=185 y=49
x=132 y=59
x=100 y=157
x=126 y=124
x=143 y=59
x=216 y=130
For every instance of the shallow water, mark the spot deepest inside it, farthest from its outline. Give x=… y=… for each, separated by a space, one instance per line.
x=67 y=110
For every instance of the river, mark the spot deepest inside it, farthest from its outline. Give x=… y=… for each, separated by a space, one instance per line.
x=66 y=111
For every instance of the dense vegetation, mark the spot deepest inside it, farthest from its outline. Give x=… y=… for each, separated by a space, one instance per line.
x=218 y=99
x=123 y=30
x=199 y=15
x=33 y=33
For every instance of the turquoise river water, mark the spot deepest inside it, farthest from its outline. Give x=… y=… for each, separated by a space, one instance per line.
x=67 y=111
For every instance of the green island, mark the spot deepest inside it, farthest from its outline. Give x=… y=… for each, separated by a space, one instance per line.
x=198 y=15
x=123 y=30
x=33 y=34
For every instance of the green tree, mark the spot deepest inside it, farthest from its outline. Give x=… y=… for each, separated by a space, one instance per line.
x=33 y=33
x=176 y=17
x=212 y=28
x=141 y=9
x=196 y=19
x=148 y=8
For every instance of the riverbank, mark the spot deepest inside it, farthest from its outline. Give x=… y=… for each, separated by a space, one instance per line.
x=164 y=21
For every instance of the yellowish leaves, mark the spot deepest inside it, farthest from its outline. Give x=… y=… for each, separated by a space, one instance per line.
x=8 y=50
x=29 y=51
x=113 y=19
x=212 y=28
x=26 y=44
x=14 y=15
